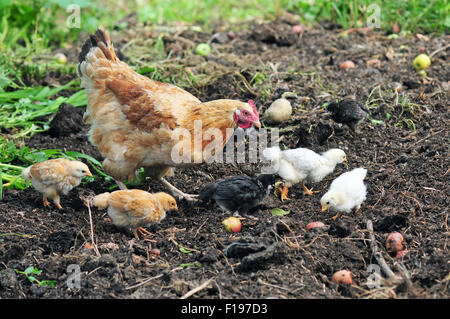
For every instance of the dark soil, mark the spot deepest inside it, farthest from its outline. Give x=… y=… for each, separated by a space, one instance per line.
x=272 y=257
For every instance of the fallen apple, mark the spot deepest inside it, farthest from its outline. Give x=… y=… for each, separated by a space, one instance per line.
x=342 y=277
x=421 y=62
x=232 y=224
x=203 y=49
x=314 y=225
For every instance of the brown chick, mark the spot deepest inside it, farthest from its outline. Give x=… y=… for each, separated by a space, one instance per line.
x=56 y=177
x=135 y=208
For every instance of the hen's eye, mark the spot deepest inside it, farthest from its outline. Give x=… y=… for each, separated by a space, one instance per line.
x=245 y=113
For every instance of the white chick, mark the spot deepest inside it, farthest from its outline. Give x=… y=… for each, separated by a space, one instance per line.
x=346 y=192
x=300 y=164
x=56 y=177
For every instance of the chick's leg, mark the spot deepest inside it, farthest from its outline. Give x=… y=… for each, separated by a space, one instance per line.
x=45 y=201
x=175 y=191
x=56 y=201
x=336 y=216
x=308 y=191
x=283 y=190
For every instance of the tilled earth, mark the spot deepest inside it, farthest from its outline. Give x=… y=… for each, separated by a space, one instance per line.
x=405 y=152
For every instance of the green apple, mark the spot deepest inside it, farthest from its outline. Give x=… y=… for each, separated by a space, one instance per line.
x=421 y=62
x=203 y=49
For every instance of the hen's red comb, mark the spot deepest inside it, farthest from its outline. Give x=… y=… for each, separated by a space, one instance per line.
x=253 y=105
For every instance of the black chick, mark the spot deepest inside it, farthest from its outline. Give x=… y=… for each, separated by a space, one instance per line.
x=238 y=194
x=348 y=112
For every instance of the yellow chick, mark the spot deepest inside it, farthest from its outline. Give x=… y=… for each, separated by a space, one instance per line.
x=135 y=208
x=55 y=177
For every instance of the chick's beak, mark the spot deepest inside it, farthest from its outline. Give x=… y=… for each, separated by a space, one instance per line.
x=345 y=159
x=324 y=209
x=89 y=174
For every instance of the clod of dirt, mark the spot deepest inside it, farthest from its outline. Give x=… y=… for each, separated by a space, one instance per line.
x=391 y=223
x=274 y=254
x=61 y=241
x=240 y=250
x=317 y=136
x=14 y=252
x=339 y=229
x=209 y=255
x=68 y=120
x=8 y=278
x=279 y=33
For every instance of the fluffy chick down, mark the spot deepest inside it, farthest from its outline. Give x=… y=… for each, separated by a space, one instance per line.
x=238 y=193
x=135 y=208
x=300 y=164
x=346 y=192
x=56 y=177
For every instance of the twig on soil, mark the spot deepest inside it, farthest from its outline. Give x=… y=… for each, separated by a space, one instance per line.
x=197 y=289
x=198 y=230
x=144 y=282
x=378 y=256
x=86 y=201
x=438 y=50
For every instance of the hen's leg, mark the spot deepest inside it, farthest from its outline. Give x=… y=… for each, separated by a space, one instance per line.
x=175 y=191
x=121 y=185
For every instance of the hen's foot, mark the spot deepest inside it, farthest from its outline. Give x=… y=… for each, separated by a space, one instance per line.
x=121 y=185
x=177 y=193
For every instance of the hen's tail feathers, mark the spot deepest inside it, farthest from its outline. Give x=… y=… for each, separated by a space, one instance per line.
x=101 y=201
x=100 y=39
x=26 y=173
x=207 y=192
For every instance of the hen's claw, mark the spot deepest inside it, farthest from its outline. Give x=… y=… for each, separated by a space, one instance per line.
x=179 y=194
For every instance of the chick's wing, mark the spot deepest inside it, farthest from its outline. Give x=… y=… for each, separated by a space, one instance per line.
x=50 y=172
x=135 y=203
x=303 y=159
x=238 y=188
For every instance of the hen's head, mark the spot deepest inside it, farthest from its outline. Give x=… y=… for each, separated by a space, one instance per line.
x=247 y=115
x=78 y=169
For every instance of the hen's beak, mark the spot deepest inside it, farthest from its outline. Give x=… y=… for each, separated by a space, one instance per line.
x=257 y=124
x=345 y=159
x=324 y=208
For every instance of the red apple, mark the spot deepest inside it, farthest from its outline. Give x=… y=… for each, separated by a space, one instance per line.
x=342 y=277
x=314 y=225
x=232 y=224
